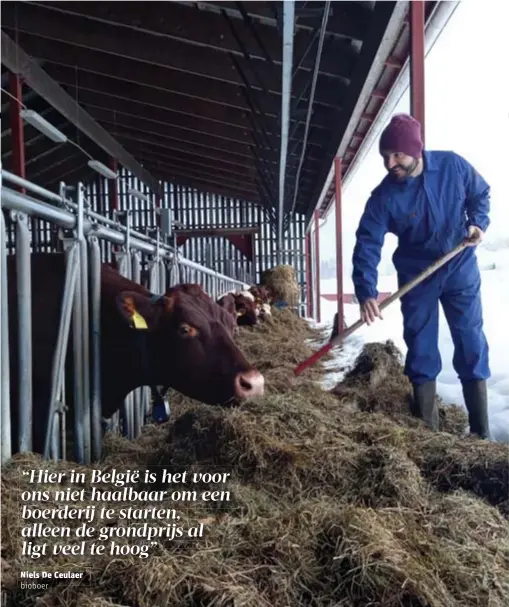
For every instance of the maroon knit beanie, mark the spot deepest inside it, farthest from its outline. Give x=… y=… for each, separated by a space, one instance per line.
x=402 y=134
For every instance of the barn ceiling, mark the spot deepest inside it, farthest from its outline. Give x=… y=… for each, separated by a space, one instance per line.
x=191 y=92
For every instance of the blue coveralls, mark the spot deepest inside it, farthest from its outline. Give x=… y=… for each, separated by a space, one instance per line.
x=430 y=215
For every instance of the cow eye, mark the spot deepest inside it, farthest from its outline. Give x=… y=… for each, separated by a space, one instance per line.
x=187 y=330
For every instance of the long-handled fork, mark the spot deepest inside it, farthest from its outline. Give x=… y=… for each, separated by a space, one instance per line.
x=387 y=302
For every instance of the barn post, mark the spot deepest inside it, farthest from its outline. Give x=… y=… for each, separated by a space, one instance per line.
x=317 y=267
x=309 y=279
x=339 y=243
x=18 y=140
x=417 y=61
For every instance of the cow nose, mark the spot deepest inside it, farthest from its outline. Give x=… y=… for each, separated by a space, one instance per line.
x=249 y=384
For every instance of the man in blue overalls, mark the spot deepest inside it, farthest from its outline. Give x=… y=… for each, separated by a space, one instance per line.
x=431 y=201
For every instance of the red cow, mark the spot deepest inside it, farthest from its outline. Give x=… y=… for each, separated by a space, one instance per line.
x=227 y=302
x=261 y=294
x=247 y=312
x=189 y=344
x=240 y=306
x=263 y=299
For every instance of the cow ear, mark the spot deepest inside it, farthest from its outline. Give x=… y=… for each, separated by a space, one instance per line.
x=142 y=311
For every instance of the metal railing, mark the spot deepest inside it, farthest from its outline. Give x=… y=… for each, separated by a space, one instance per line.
x=80 y=232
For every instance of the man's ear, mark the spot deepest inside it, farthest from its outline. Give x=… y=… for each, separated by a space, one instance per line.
x=142 y=311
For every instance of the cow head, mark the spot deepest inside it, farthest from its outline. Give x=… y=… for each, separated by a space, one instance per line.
x=191 y=344
x=262 y=298
x=241 y=306
x=246 y=309
x=261 y=294
x=265 y=311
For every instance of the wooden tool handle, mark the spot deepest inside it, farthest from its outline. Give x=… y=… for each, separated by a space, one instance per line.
x=386 y=302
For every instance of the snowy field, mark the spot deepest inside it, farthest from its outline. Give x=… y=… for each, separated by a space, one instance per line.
x=495 y=292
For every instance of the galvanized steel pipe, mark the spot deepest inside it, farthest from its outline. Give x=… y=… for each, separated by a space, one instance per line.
x=5 y=422
x=24 y=286
x=125 y=268
x=22 y=203
x=316 y=69
x=30 y=206
x=85 y=322
x=95 y=336
x=163 y=277
x=140 y=394
x=79 y=405
x=58 y=370
x=286 y=97
x=75 y=309
x=154 y=282
x=30 y=187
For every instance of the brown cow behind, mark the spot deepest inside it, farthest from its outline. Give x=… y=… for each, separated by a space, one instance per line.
x=241 y=306
x=263 y=298
x=227 y=302
x=189 y=343
x=261 y=294
x=247 y=311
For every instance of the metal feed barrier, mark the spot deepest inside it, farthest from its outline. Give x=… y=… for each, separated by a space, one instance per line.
x=81 y=231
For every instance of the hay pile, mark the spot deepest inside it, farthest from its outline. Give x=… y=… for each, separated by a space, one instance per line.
x=336 y=500
x=377 y=383
x=282 y=284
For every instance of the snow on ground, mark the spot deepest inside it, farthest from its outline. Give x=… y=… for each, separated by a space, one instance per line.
x=494 y=266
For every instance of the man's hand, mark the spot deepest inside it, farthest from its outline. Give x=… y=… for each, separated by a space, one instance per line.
x=370 y=311
x=475 y=236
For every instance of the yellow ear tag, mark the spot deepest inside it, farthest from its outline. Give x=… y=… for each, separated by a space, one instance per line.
x=240 y=314
x=139 y=321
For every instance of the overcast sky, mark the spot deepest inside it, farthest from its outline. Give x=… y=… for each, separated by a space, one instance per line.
x=467 y=111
